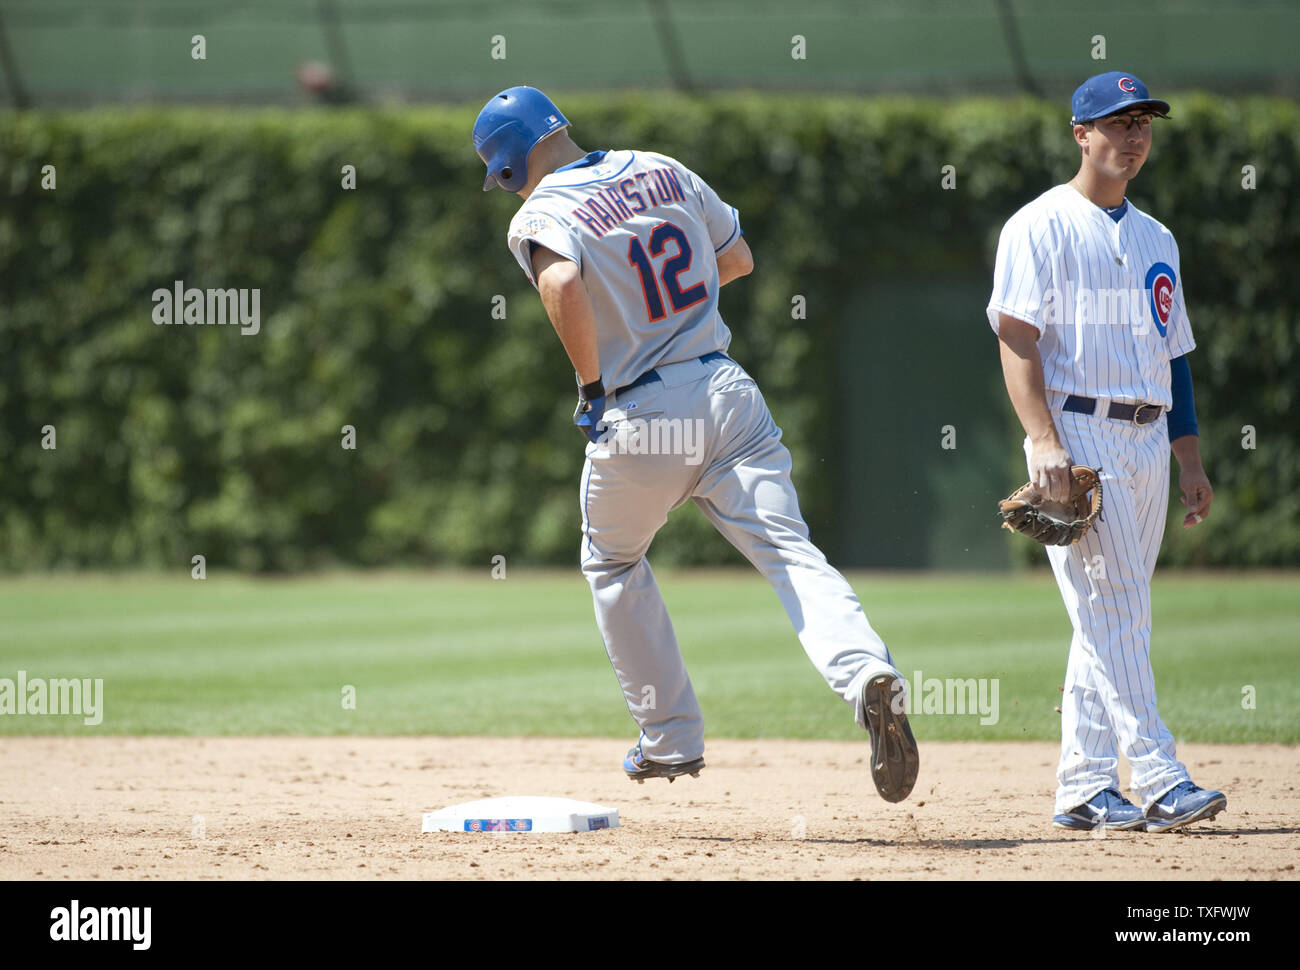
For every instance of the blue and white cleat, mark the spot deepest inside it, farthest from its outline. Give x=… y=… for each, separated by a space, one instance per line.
x=1182 y=805
x=639 y=767
x=1107 y=809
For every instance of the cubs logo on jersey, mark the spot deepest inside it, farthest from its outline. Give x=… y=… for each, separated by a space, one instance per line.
x=1160 y=285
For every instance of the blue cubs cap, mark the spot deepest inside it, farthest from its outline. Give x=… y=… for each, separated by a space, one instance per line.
x=507 y=129
x=1110 y=92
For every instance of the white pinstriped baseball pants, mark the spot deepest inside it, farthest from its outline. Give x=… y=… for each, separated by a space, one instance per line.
x=1109 y=703
x=741 y=482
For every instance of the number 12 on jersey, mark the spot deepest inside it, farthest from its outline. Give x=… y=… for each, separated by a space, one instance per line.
x=672 y=268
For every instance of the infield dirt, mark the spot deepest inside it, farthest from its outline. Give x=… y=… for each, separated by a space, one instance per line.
x=349 y=808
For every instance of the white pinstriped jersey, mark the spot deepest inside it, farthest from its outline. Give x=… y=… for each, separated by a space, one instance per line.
x=646 y=232
x=1106 y=297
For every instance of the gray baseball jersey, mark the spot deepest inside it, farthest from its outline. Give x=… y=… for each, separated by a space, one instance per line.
x=645 y=231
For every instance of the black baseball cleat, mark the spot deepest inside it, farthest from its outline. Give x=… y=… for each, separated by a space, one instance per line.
x=639 y=767
x=895 y=760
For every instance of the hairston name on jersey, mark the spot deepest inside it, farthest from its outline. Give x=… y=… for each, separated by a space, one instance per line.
x=605 y=208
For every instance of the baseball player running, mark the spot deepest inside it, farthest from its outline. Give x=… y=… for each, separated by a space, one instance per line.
x=1093 y=331
x=628 y=250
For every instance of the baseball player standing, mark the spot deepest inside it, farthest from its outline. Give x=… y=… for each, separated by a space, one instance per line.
x=1089 y=311
x=628 y=250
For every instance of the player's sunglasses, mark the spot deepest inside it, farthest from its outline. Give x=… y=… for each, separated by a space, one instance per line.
x=1143 y=121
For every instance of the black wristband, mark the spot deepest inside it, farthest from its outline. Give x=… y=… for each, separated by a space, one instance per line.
x=590 y=392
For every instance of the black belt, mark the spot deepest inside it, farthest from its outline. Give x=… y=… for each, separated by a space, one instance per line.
x=652 y=375
x=1137 y=413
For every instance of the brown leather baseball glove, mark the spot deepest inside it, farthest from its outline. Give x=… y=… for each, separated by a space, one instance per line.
x=1030 y=512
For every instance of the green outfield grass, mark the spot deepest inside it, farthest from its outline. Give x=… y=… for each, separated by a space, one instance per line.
x=459 y=653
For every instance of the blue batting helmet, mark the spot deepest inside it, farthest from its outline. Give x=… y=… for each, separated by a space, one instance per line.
x=507 y=129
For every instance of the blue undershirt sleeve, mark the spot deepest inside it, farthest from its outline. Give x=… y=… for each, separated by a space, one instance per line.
x=1182 y=416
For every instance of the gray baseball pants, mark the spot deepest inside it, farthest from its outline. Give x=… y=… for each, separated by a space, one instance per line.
x=703 y=432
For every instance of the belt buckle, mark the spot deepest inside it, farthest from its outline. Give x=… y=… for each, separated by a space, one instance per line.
x=1137 y=414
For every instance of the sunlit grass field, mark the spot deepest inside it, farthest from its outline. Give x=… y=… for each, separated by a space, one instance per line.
x=463 y=653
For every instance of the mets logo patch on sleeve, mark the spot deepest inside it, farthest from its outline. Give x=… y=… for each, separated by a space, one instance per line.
x=535 y=225
x=1160 y=291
